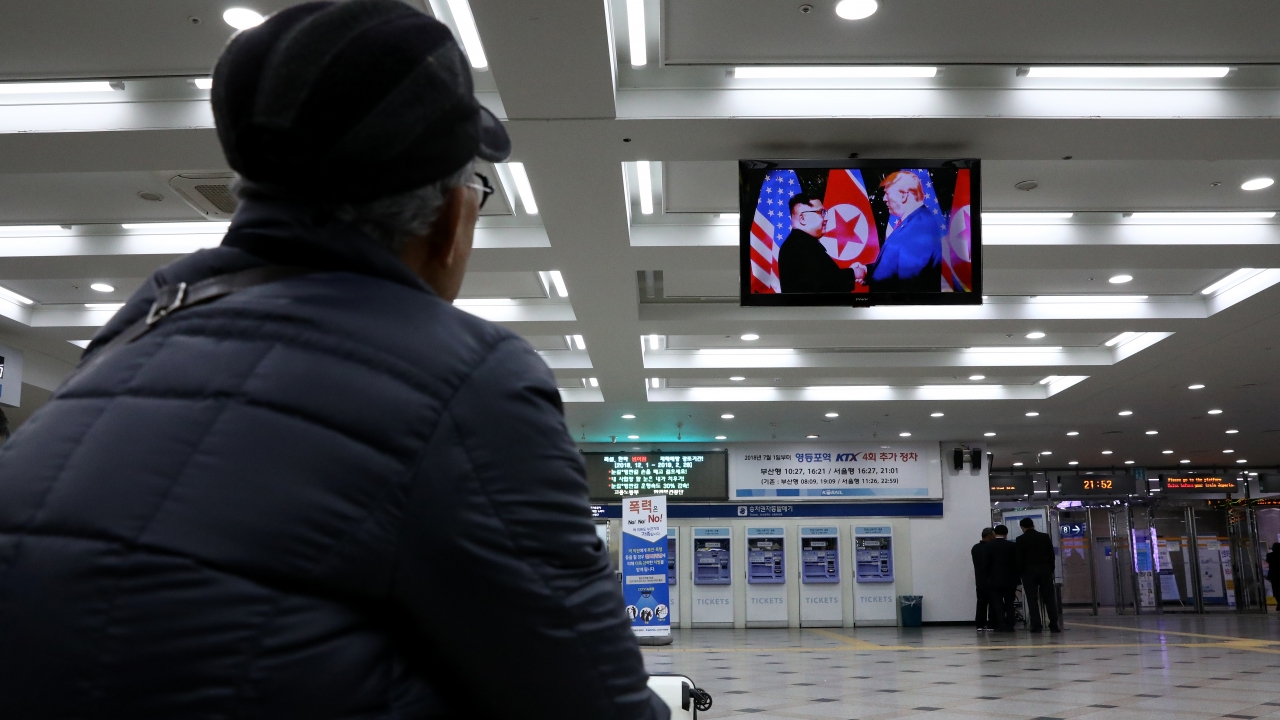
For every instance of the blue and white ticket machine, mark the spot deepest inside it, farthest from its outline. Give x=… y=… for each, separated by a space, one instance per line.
x=673 y=545
x=821 y=592
x=712 y=588
x=766 y=589
x=874 y=598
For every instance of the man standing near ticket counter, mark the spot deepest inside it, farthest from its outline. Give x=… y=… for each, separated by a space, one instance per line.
x=1036 y=562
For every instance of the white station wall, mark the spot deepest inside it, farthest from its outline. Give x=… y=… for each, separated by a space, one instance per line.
x=941 y=568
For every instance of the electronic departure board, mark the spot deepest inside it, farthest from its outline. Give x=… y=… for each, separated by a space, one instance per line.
x=1077 y=485
x=1199 y=483
x=684 y=476
x=1011 y=485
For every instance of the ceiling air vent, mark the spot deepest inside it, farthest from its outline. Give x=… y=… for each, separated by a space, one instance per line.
x=207 y=192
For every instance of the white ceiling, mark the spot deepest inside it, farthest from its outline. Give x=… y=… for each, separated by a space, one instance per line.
x=581 y=116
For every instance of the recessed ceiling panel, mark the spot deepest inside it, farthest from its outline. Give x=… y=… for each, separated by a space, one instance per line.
x=733 y=32
x=502 y=285
x=700 y=283
x=1062 y=281
x=701 y=187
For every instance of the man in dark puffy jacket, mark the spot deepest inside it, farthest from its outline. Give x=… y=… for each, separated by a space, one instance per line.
x=313 y=488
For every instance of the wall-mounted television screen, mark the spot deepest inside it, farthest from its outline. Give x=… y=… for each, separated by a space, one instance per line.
x=860 y=232
x=681 y=475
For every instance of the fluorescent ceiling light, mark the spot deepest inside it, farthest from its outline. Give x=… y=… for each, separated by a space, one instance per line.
x=1074 y=462
x=1215 y=412
x=1035 y=335
x=1125 y=413
x=729 y=216
x=1197 y=386
x=1046 y=452
x=1128 y=462
x=1230 y=281
x=633 y=437
x=937 y=414
x=722 y=437
x=579 y=342
x=746 y=351
x=727 y=416
x=483 y=302
x=737 y=378
x=990 y=434
x=1232 y=432
x=465 y=22
x=1166 y=452
x=31 y=229
x=37 y=88
x=558 y=280
x=1201 y=216
x=104 y=306
x=203 y=83
x=750 y=336
x=1257 y=183
x=102 y=287
x=1033 y=414
x=1130 y=72
x=653 y=382
x=977 y=377
x=645 y=177
x=635 y=33
x=181 y=227
x=1227 y=452
x=1119 y=279
x=1106 y=452
x=856 y=9
x=904 y=434
x=523 y=188
x=1153 y=432
x=242 y=18
x=595 y=382
x=1032 y=218
x=628 y=416
x=1073 y=433
x=1184 y=462
x=1017 y=464
x=1242 y=460
x=653 y=342
x=832 y=415
x=12 y=296
x=832 y=72
x=1087 y=298
x=80 y=343
x=1049 y=379
x=811 y=437
x=1012 y=350
x=1122 y=338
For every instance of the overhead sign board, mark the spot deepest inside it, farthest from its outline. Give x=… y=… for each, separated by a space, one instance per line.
x=1198 y=483
x=1011 y=485
x=835 y=471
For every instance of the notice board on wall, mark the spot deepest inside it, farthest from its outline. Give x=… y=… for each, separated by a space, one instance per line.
x=835 y=471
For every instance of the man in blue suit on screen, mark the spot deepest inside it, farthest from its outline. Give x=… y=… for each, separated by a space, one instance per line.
x=911 y=259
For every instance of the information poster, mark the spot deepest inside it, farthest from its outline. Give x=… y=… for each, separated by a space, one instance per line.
x=831 y=471
x=693 y=476
x=644 y=565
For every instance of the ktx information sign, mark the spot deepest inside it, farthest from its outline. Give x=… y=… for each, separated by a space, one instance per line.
x=833 y=471
x=644 y=565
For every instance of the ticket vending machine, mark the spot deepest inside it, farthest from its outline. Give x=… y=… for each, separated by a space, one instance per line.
x=673 y=545
x=875 y=602
x=766 y=591
x=712 y=588
x=821 y=595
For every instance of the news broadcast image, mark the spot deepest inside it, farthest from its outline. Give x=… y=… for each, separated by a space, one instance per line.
x=861 y=231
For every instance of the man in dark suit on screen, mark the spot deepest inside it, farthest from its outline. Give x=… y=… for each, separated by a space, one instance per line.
x=1036 y=561
x=803 y=264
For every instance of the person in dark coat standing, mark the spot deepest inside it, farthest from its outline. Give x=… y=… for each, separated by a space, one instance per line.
x=1002 y=578
x=804 y=266
x=1036 y=562
x=983 y=618
x=1273 y=572
x=327 y=492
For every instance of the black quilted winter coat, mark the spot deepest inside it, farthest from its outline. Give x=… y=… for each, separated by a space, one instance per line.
x=330 y=496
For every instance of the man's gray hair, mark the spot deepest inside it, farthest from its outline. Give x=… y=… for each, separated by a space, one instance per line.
x=393 y=220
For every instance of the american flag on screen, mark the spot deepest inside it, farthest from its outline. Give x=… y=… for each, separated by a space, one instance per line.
x=770 y=228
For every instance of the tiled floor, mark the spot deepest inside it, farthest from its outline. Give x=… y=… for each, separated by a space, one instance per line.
x=1104 y=668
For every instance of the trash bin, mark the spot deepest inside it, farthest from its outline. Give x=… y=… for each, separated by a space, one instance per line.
x=912 y=607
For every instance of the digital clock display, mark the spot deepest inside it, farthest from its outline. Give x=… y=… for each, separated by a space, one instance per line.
x=1069 y=485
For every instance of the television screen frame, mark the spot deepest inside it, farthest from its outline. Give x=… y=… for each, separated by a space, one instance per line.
x=748 y=196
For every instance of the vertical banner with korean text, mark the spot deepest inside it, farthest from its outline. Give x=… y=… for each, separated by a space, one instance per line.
x=644 y=565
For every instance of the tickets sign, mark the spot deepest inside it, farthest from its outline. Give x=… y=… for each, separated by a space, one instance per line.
x=835 y=472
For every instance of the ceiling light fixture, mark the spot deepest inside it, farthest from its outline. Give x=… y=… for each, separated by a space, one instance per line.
x=1230 y=281
x=1227 y=452
x=653 y=342
x=628 y=416
x=205 y=83
x=645 y=187
x=1197 y=386
x=1166 y=452
x=243 y=18
x=1128 y=72
x=988 y=434
x=181 y=227
x=811 y=437
x=1215 y=411
x=856 y=9
x=727 y=416
x=977 y=377
x=595 y=382
x=832 y=415
x=653 y=382
x=1049 y=379
x=1201 y=216
x=557 y=279
x=722 y=437
x=1242 y=460
x=1153 y=432
x=1073 y=433
x=633 y=437
x=1106 y=452
x=579 y=342
x=1125 y=413
x=904 y=434
x=1257 y=183
x=1017 y=464
x=39 y=88
x=465 y=23
x=750 y=336
x=1046 y=452
x=937 y=414
x=12 y=296
x=104 y=306
x=1128 y=462
x=1035 y=335
x=1184 y=462
x=1033 y=414
x=635 y=33
x=521 y=178
x=832 y=72
x=1119 y=279
x=102 y=287
x=1232 y=432
x=737 y=378
x=1087 y=298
